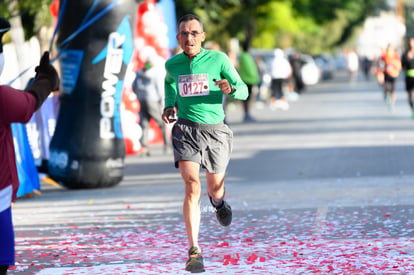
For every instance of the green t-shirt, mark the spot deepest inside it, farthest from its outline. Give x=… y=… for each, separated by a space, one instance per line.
x=190 y=84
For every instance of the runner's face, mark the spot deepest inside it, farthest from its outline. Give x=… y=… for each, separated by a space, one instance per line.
x=190 y=36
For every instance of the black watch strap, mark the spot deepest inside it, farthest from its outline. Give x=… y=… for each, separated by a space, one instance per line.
x=233 y=89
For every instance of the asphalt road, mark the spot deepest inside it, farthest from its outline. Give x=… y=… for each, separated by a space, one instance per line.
x=325 y=187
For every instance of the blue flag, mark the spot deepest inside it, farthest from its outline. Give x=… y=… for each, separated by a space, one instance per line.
x=26 y=169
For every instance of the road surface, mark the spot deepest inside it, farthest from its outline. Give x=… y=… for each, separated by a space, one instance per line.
x=325 y=187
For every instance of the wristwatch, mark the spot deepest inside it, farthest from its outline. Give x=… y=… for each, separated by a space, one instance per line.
x=233 y=89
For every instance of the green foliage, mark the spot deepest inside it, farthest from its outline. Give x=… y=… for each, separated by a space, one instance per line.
x=34 y=13
x=309 y=25
x=275 y=21
x=312 y=26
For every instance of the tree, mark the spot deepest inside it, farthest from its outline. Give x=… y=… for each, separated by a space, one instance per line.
x=315 y=25
x=26 y=18
x=311 y=25
x=33 y=13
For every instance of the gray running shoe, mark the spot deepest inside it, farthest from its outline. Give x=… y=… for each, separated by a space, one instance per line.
x=195 y=263
x=223 y=213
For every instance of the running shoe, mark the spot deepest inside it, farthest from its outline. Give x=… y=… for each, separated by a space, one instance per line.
x=281 y=104
x=248 y=118
x=391 y=106
x=388 y=99
x=223 y=213
x=195 y=263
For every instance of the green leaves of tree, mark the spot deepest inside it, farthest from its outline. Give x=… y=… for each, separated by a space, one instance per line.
x=308 y=25
x=34 y=13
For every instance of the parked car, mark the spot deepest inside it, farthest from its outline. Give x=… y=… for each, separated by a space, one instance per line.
x=327 y=66
x=311 y=73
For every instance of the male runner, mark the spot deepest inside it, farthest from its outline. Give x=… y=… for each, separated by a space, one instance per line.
x=391 y=69
x=408 y=67
x=195 y=82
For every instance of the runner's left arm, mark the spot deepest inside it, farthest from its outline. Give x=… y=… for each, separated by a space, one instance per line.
x=230 y=73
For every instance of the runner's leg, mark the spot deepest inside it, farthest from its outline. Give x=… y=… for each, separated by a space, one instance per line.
x=215 y=185
x=190 y=172
x=216 y=191
x=144 y=123
x=410 y=98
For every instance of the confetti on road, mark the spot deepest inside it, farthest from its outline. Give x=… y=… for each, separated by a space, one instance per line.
x=358 y=240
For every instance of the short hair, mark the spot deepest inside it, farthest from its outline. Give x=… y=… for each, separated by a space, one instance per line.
x=189 y=17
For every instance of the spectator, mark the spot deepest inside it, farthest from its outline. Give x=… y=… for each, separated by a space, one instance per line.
x=148 y=85
x=280 y=71
x=408 y=66
x=352 y=61
x=297 y=65
x=17 y=106
x=264 y=80
x=391 y=67
x=249 y=74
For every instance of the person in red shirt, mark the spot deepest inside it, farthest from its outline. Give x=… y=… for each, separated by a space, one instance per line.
x=391 y=67
x=17 y=106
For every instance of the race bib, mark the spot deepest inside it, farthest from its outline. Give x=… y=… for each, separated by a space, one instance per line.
x=193 y=85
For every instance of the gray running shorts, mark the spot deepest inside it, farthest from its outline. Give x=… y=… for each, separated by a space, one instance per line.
x=210 y=145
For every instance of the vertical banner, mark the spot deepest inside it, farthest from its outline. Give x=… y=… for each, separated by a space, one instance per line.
x=95 y=44
x=26 y=169
x=40 y=130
